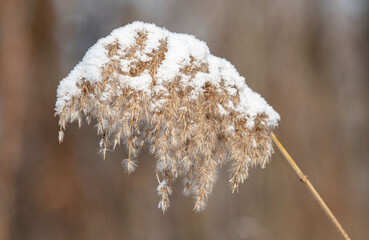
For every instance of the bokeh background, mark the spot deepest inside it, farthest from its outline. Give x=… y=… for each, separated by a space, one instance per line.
x=309 y=59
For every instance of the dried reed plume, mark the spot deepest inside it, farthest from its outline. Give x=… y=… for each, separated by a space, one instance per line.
x=145 y=84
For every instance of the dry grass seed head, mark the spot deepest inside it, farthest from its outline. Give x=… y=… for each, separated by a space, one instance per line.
x=189 y=134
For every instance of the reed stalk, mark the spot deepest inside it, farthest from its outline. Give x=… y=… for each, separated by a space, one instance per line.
x=311 y=188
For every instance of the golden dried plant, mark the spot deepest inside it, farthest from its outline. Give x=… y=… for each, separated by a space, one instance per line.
x=143 y=84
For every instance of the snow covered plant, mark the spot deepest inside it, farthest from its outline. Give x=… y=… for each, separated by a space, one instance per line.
x=143 y=84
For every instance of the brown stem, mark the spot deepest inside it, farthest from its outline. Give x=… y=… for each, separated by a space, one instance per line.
x=305 y=180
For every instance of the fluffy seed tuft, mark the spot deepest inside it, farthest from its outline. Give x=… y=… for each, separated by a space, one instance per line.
x=144 y=84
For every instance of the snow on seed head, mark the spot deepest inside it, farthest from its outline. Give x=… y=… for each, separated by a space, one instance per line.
x=144 y=84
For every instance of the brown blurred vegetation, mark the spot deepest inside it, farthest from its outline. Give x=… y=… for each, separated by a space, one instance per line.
x=309 y=59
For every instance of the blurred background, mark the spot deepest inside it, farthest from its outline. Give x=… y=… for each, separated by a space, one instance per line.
x=308 y=59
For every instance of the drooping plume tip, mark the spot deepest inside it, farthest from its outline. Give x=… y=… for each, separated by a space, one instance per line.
x=143 y=83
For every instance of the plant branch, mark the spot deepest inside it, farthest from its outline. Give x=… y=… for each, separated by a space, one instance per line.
x=305 y=180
